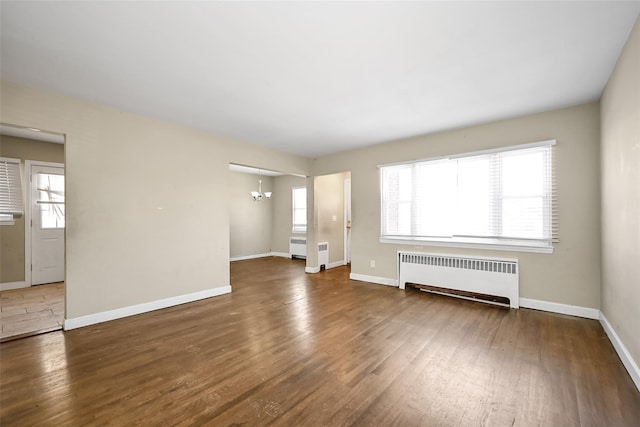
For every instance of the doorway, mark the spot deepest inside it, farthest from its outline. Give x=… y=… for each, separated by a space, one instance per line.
x=47 y=205
x=32 y=287
x=263 y=226
x=332 y=212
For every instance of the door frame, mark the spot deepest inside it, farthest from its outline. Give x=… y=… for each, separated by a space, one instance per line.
x=27 y=218
x=347 y=225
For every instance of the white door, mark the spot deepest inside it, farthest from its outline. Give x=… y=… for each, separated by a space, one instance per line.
x=47 y=224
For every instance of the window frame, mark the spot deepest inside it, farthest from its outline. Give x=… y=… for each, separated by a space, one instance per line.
x=51 y=204
x=298 y=228
x=505 y=244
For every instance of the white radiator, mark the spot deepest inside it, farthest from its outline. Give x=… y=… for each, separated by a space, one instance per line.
x=490 y=276
x=323 y=254
x=298 y=247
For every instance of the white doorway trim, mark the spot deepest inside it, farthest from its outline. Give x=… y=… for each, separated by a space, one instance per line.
x=347 y=221
x=27 y=218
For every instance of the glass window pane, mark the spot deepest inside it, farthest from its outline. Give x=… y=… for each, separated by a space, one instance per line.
x=405 y=187
x=300 y=216
x=299 y=202
x=436 y=196
x=50 y=193
x=474 y=195
x=522 y=173
x=404 y=219
x=51 y=216
x=300 y=197
x=521 y=218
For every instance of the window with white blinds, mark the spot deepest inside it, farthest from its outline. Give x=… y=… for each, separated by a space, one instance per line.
x=11 y=204
x=495 y=197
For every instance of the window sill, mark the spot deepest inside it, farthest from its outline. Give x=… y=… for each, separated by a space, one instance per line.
x=298 y=231
x=496 y=245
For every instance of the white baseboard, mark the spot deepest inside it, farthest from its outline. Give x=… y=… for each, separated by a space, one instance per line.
x=573 y=310
x=105 y=316
x=326 y=267
x=277 y=254
x=335 y=264
x=373 y=279
x=13 y=285
x=281 y=254
x=240 y=258
x=623 y=353
x=554 y=307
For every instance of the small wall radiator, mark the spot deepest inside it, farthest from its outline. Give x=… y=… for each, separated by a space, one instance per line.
x=298 y=247
x=466 y=275
x=323 y=254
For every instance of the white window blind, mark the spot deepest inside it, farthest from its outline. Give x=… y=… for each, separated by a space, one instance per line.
x=11 y=203
x=299 y=204
x=484 y=197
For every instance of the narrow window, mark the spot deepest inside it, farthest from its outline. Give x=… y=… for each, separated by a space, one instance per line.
x=299 y=204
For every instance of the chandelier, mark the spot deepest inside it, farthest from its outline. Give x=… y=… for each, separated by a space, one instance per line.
x=259 y=196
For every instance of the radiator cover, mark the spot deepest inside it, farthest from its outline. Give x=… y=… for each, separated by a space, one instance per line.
x=491 y=276
x=298 y=247
x=323 y=254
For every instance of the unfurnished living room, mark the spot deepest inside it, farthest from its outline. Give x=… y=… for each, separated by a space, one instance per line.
x=320 y=213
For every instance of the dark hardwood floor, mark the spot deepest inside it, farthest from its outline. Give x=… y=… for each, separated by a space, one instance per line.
x=291 y=349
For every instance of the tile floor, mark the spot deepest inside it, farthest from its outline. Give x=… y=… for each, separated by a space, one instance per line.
x=30 y=311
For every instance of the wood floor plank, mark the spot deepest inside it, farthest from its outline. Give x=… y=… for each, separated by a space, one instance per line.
x=288 y=348
x=31 y=310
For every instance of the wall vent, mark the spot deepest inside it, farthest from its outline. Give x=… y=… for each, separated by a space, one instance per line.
x=323 y=254
x=298 y=247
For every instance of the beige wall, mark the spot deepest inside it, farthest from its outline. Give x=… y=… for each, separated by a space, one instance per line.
x=147 y=200
x=12 y=237
x=329 y=191
x=282 y=211
x=249 y=222
x=571 y=275
x=620 y=110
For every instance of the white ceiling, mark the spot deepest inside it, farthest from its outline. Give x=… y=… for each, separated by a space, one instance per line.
x=313 y=78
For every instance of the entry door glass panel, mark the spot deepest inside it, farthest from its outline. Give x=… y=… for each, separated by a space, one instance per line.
x=50 y=189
